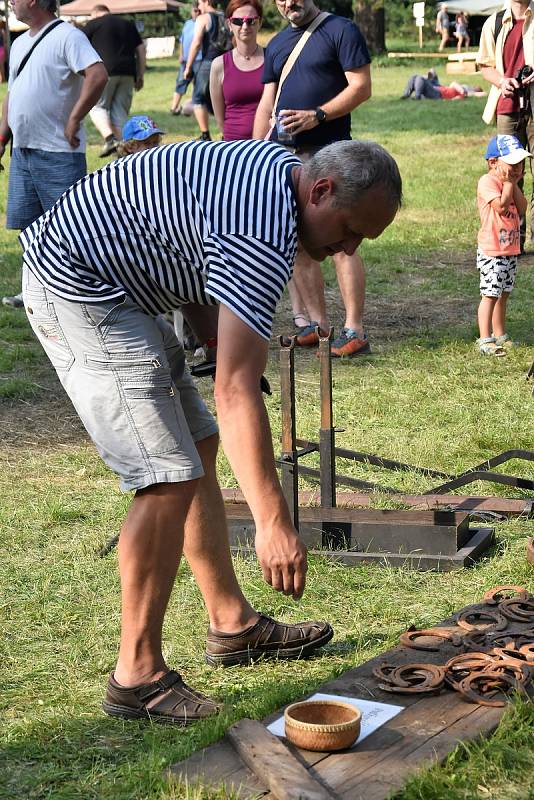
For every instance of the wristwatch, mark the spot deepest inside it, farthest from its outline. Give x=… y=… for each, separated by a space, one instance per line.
x=320 y=115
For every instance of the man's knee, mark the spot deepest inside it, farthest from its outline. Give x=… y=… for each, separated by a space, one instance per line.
x=208 y=448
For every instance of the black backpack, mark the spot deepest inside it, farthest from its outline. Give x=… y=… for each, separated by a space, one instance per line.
x=220 y=38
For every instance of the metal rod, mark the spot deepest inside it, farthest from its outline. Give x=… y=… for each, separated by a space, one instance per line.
x=482 y=475
x=327 y=457
x=289 y=458
x=377 y=461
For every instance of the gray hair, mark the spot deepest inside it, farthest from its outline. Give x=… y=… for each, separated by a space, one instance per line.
x=48 y=5
x=356 y=166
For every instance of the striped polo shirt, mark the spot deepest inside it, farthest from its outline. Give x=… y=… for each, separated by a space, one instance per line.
x=197 y=222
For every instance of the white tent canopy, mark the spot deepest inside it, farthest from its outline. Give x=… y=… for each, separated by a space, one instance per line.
x=83 y=8
x=482 y=7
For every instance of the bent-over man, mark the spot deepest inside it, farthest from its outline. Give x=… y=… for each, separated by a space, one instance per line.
x=199 y=223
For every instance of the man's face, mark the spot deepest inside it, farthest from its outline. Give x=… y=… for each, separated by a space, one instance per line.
x=324 y=229
x=21 y=8
x=296 y=11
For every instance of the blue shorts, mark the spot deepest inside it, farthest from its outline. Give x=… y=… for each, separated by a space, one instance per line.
x=182 y=84
x=201 y=87
x=126 y=375
x=37 y=178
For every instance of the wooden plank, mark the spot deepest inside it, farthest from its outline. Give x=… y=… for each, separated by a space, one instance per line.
x=276 y=767
x=439 y=532
x=218 y=765
x=479 y=543
x=507 y=506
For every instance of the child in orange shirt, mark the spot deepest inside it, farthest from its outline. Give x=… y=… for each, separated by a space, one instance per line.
x=501 y=204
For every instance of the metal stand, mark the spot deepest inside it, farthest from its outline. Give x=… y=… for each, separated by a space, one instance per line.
x=327 y=475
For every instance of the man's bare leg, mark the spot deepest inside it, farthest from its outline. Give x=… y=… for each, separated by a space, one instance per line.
x=308 y=279
x=350 y=274
x=207 y=550
x=150 y=547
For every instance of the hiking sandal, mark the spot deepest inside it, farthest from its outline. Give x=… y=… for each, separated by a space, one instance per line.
x=488 y=347
x=169 y=701
x=267 y=638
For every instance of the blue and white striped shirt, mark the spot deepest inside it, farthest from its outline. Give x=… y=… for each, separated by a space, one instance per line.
x=196 y=222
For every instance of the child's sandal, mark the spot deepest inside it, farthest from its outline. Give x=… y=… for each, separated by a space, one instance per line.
x=504 y=341
x=489 y=347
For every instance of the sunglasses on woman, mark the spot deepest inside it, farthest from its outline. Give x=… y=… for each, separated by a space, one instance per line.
x=239 y=21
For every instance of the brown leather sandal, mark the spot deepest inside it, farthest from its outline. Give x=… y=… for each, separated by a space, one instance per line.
x=169 y=701
x=266 y=638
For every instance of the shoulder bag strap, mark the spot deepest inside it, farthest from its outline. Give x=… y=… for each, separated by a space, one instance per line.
x=32 y=48
x=288 y=66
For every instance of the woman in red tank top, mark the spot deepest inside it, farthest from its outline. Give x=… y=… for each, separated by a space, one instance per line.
x=235 y=79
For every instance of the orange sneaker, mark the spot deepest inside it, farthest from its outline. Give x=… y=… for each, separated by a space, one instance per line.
x=307 y=336
x=349 y=343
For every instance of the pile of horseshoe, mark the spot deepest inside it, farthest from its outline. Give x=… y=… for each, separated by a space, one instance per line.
x=495 y=641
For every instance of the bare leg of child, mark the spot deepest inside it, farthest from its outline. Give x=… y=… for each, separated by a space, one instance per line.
x=485 y=315
x=498 y=317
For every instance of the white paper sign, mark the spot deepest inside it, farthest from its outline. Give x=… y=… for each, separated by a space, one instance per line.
x=420 y=22
x=419 y=10
x=373 y=715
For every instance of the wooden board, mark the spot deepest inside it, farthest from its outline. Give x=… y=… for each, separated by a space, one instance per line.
x=507 y=506
x=425 y=732
x=439 y=532
x=481 y=539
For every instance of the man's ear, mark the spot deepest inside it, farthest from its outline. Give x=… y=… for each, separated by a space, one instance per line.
x=322 y=189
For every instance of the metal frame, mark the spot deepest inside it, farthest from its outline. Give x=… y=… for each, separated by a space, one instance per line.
x=295 y=448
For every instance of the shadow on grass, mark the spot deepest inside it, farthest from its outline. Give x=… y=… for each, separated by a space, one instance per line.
x=96 y=757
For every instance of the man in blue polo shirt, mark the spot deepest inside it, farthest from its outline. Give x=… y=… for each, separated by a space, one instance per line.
x=329 y=79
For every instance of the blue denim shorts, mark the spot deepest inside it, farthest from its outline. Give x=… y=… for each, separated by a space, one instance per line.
x=127 y=377
x=182 y=83
x=37 y=179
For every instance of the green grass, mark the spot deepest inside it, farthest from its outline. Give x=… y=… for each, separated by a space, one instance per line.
x=425 y=397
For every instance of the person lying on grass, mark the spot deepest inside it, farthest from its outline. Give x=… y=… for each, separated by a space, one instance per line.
x=501 y=204
x=419 y=87
x=196 y=223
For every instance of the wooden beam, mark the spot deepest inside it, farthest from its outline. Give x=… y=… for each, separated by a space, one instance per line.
x=273 y=763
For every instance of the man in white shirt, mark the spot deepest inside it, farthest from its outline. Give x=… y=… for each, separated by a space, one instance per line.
x=44 y=110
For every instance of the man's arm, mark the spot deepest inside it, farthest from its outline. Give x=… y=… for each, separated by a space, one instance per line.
x=246 y=437
x=354 y=94
x=200 y=26
x=95 y=79
x=5 y=132
x=216 y=93
x=262 y=120
x=140 y=65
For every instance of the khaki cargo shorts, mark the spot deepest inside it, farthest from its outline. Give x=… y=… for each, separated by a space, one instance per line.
x=126 y=375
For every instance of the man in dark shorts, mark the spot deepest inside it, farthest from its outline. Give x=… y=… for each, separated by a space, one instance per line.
x=118 y=43
x=197 y=222
x=331 y=77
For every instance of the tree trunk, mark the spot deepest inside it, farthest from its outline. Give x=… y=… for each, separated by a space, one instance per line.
x=370 y=17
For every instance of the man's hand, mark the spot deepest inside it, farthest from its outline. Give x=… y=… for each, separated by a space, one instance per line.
x=509 y=86
x=298 y=121
x=139 y=83
x=72 y=128
x=187 y=73
x=282 y=557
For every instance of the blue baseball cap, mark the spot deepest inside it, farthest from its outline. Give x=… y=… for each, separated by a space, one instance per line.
x=140 y=128
x=507 y=147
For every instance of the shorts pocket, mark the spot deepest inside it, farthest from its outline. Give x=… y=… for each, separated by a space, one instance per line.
x=45 y=324
x=149 y=399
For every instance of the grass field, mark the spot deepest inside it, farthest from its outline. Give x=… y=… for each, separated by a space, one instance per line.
x=425 y=397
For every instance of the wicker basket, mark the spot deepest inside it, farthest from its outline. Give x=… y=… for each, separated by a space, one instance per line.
x=322 y=725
